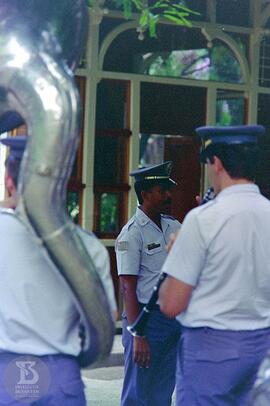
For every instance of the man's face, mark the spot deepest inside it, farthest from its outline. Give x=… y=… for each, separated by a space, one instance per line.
x=159 y=198
x=9 y=184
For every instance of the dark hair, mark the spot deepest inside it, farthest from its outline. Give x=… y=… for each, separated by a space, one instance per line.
x=239 y=160
x=143 y=186
x=12 y=165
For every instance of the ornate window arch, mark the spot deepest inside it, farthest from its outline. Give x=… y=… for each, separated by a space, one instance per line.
x=187 y=60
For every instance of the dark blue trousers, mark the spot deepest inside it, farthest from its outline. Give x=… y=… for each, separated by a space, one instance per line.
x=218 y=368
x=51 y=380
x=155 y=385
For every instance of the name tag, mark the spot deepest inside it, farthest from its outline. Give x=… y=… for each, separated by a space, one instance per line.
x=152 y=246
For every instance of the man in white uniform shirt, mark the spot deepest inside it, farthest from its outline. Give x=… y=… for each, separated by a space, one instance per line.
x=219 y=276
x=38 y=316
x=150 y=361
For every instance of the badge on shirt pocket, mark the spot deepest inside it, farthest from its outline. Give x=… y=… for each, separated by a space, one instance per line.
x=154 y=255
x=153 y=246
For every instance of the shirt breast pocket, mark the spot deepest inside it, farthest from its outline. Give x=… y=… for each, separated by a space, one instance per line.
x=154 y=258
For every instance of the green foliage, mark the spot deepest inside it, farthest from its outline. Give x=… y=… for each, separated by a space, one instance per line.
x=225 y=67
x=108 y=212
x=230 y=111
x=150 y=15
x=168 y=67
x=215 y=64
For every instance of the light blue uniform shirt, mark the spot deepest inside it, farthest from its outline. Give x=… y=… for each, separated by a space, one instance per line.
x=141 y=250
x=37 y=312
x=223 y=250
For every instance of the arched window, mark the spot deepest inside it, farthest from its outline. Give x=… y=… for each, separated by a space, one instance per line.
x=216 y=63
x=176 y=52
x=264 y=69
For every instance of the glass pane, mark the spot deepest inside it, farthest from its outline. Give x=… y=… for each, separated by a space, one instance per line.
x=110 y=153
x=230 y=108
x=224 y=65
x=199 y=6
x=242 y=41
x=264 y=69
x=108 y=24
x=217 y=63
x=169 y=109
x=111 y=104
x=267 y=24
x=73 y=206
x=108 y=213
x=233 y=12
x=126 y=51
x=263 y=173
x=192 y=64
x=176 y=52
x=263 y=112
x=151 y=149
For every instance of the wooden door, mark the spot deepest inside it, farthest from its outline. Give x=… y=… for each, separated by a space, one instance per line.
x=183 y=151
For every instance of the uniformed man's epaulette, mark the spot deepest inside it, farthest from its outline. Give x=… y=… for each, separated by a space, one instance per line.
x=130 y=222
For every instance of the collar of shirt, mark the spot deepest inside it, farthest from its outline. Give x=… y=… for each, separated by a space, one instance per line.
x=143 y=219
x=240 y=188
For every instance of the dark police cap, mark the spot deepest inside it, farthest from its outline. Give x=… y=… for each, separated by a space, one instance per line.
x=9 y=121
x=157 y=174
x=242 y=134
x=16 y=145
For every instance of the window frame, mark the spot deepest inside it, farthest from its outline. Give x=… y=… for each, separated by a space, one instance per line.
x=120 y=188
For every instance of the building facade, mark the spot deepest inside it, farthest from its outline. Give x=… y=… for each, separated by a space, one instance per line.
x=143 y=97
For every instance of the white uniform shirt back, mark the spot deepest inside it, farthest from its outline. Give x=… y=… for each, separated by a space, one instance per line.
x=141 y=250
x=37 y=313
x=223 y=252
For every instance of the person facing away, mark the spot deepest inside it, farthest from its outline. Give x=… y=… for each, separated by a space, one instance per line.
x=150 y=361
x=218 y=282
x=39 y=321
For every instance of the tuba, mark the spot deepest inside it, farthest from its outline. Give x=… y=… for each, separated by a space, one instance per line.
x=41 y=45
x=260 y=395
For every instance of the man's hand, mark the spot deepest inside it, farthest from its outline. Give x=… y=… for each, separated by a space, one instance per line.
x=198 y=200
x=141 y=352
x=141 y=349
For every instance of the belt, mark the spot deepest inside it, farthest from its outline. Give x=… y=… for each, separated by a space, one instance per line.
x=6 y=355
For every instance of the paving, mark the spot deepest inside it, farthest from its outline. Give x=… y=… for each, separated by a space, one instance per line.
x=103 y=382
